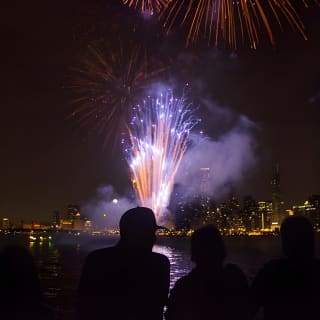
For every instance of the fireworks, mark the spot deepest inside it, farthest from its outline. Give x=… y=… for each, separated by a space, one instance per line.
x=107 y=83
x=159 y=136
x=146 y=5
x=231 y=20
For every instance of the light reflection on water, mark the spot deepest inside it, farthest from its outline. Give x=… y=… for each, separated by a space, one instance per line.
x=47 y=260
x=59 y=266
x=60 y=263
x=180 y=263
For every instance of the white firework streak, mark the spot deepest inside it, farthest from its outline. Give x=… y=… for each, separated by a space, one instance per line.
x=159 y=134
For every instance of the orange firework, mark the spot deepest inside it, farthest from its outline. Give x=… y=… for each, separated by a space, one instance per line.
x=107 y=83
x=231 y=19
x=146 y=5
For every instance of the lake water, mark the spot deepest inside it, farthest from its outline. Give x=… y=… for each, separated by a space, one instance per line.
x=59 y=261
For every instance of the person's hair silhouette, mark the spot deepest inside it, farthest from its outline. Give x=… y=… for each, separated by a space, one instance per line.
x=207 y=246
x=212 y=290
x=21 y=296
x=297 y=237
x=137 y=229
x=127 y=281
x=288 y=288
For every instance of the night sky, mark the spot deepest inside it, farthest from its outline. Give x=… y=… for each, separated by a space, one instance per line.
x=48 y=161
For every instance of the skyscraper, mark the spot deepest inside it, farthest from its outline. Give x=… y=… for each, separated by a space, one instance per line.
x=251 y=214
x=72 y=210
x=265 y=212
x=196 y=210
x=205 y=197
x=276 y=199
x=5 y=224
x=56 y=219
x=178 y=204
x=229 y=217
x=312 y=210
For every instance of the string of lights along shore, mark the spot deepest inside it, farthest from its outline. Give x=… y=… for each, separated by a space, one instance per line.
x=227 y=21
x=159 y=132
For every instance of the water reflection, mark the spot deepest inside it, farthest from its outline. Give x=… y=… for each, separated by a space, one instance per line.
x=47 y=259
x=179 y=261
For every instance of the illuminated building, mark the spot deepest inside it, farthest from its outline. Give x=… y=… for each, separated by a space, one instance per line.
x=72 y=210
x=56 y=219
x=310 y=209
x=77 y=222
x=265 y=211
x=74 y=216
x=251 y=215
x=66 y=225
x=276 y=200
x=5 y=224
x=314 y=200
x=206 y=202
x=197 y=211
x=314 y=213
x=177 y=206
x=87 y=225
x=230 y=217
x=34 y=226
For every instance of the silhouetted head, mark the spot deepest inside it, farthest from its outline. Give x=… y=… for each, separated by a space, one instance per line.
x=207 y=246
x=138 y=227
x=297 y=237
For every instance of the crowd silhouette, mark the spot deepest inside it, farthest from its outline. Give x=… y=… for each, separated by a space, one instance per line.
x=130 y=282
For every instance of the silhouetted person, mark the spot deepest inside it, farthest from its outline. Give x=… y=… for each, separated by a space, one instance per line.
x=289 y=288
x=21 y=297
x=212 y=290
x=127 y=281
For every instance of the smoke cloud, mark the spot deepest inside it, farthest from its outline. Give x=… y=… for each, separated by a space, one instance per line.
x=107 y=208
x=229 y=153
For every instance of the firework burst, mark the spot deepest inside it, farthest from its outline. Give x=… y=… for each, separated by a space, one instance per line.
x=107 y=83
x=146 y=5
x=231 y=20
x=159 y=133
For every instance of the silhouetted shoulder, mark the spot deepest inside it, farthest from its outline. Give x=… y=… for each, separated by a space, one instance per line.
x=106 y=252
x=160 y=258
x=181 y=287
x=183 y=303
x=109 y=257
x=220 y=295
x=235 y=277
x=294 y=283
x=101 y=253
x=282 y=273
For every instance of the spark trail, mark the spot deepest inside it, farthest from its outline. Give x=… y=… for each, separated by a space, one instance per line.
x=233 y=21
x=146 y=5
x=159 y=133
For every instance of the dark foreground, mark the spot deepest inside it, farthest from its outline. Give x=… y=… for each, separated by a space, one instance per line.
x=59 y=260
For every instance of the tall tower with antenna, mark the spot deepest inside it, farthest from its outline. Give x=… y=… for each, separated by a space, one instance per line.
x=276 y=198
x=206 y=201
